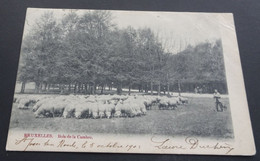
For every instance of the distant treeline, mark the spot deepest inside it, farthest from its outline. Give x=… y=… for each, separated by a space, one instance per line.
x=83 y=52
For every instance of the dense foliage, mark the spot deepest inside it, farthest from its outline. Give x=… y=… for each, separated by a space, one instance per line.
x=88 y=51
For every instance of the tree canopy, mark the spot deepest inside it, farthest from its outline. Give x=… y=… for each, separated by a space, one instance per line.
x=89 y=50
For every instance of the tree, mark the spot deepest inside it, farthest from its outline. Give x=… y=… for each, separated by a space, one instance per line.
x=43 y=43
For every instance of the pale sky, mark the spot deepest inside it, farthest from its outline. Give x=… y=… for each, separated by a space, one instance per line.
x=175 y=29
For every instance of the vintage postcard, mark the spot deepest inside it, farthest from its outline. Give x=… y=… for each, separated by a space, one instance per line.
x=130 y=82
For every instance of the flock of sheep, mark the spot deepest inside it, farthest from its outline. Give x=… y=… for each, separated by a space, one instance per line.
x=95 y=106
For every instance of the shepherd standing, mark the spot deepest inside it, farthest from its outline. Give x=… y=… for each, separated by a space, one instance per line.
x=218 y=103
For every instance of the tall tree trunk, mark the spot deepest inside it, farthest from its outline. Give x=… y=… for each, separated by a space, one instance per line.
x=40 y=89
x=69 y=87
x=86 y=88
x=179 y=87
x=119 y=88
x=23 y=87
x=82 y=87
x=94 y=88
x=151 y=87
x=168 y=88
x=79 y=87
x=146 y=87
x=102 y=89
x=159 y=89
x=45 y=86
x=61 y=86
x=129 y=89
x=48 y=88
x=37 y=85
x=91 y=89
x=75 y=88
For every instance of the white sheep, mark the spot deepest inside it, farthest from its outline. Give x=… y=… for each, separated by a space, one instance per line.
x=130 y=108
x=163 y=103
x=82 y=110
x=89 y=110
x=27 y=103
x=94 y=110
x=119 y=108
x=148 y=103
x=172 y=103
x=143 y=109
x=183 y=100
x=141 y=105
x=41 y=102
x=110 y=108
x=15 y=99
x=102 y=109
x=59 y=107
x=69 y=109
x=45 y=110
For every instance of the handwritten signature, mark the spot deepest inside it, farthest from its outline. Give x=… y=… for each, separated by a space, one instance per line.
x=190 y=143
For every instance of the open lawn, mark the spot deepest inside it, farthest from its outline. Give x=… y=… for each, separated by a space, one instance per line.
x=198 y=118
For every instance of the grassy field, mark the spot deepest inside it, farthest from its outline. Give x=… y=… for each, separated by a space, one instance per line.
x=198 y=118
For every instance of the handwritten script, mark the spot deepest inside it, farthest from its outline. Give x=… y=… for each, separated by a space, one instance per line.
x=34 y=142
x=168 y=145
x=191 y=143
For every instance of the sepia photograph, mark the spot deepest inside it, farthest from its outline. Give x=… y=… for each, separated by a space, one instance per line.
x=129 y=74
